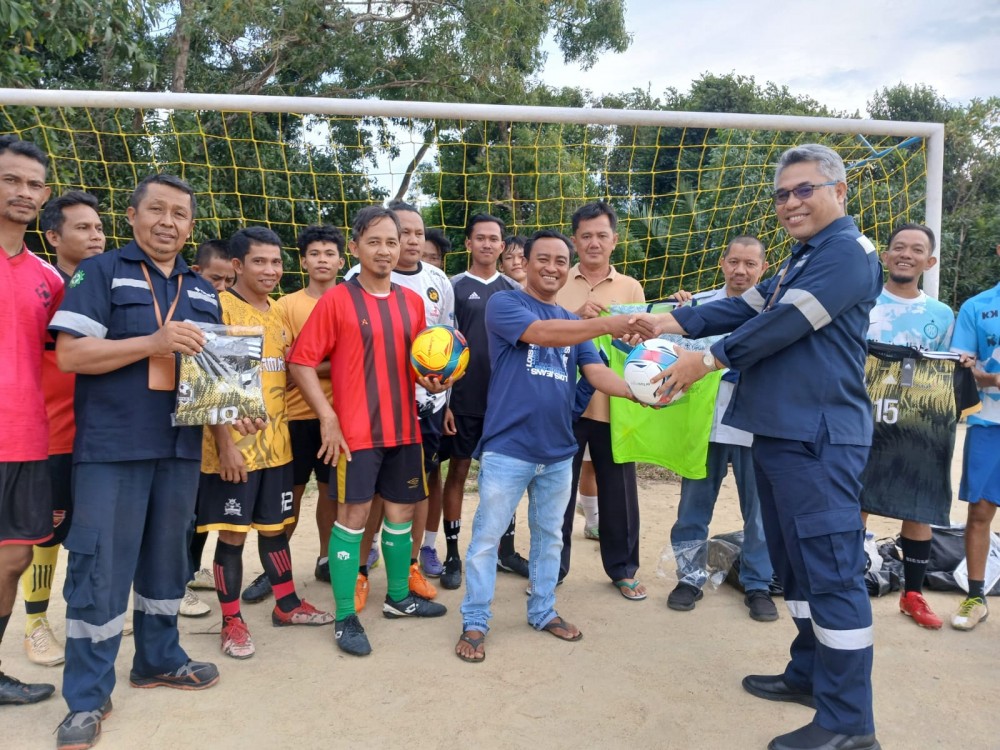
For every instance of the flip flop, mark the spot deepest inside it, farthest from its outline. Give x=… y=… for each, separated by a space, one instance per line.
x=623 y=584
x=558 y=623
x=475 y=643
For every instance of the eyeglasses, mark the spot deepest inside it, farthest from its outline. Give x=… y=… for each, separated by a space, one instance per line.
x=802 y=192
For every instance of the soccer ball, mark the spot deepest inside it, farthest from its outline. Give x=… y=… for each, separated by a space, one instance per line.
x=439 y=352
x=646 y=360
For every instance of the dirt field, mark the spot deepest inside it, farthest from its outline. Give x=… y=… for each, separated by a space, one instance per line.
x=642 y=677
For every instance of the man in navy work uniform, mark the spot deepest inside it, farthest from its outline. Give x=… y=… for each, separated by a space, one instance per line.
x=798 y=341
x=125 y=317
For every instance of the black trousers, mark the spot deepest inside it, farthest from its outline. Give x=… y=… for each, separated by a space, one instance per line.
x=617 y=503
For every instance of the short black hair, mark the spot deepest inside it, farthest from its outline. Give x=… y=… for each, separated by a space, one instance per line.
x=241 y=241
x=484 y=219
x=439 y=239
x=161 y=178
x=514 y=240
x=542 y=234
x=52 y=217
x=23 y=148
x=594 y=210
x=209 y=250
x=746 y=239
x=916 y=227
x=398 y=206
x=320 y=233
x=368 y=216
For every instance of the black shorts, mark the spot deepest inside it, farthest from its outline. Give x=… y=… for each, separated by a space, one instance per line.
x=61 y=475
x=468 y=432
x=306 y=441
x=397 y=474
x=25 y=502
x=431 y=429
x=263 y=502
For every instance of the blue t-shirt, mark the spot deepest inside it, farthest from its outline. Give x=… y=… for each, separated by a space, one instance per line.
x=922 y=322
x=118 y=418
x=977 y=332
x=532 y=388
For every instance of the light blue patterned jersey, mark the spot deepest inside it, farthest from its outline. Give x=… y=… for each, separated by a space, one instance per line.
x=922 y=322
x=977 y=332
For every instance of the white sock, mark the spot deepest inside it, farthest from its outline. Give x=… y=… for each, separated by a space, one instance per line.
x=429 y=538
x=589 y=504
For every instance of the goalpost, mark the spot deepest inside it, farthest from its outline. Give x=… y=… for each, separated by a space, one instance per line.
x=683 y=183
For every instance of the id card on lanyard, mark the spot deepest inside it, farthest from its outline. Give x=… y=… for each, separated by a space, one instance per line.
x=162 y=367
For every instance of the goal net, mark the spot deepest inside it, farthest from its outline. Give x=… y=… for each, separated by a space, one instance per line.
x=683 y=184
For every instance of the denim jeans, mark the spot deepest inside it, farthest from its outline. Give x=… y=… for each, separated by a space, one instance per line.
x=698 y=498
x=502 y=483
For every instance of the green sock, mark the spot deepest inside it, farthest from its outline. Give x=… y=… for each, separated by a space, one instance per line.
x=345 y=549
x=396 y=544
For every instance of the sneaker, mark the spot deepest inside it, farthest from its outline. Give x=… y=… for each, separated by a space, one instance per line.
x=236 y=640
x=203 y=579
x=304 y=614
x=761 y=606
x=412 y=606
x=683 y=597
x=81 y=729
x=350 y=636
x=430 y=563
x=195 y=675
x=912 y=603
x=192 y=606
x=42 y=647
x=513 y=563
x=970 y=613
x=360 y=592
x=322 y=571
x=373 y=557
x=257 y=591
x=592 y=532
x=13 y=692
x=420 y=585
x=451 y=578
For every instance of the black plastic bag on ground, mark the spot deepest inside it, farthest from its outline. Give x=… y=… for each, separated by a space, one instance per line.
x=947 y=553
x=733 y=577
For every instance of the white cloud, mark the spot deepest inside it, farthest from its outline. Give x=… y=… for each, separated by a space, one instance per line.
x=839 y=54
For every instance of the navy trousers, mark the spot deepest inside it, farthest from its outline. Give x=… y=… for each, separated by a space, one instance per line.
x=812 y=521
x=617 y=503
x=130 y=524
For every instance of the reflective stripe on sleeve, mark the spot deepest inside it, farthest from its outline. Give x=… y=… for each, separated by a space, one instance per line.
x=77 y=323
x=807 y=304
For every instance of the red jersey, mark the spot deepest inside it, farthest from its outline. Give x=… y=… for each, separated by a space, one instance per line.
x=367 y=339
x=30 y=292
x=57 y=387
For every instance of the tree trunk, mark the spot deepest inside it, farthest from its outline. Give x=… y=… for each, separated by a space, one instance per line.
x=412 y=166
x=182 y=43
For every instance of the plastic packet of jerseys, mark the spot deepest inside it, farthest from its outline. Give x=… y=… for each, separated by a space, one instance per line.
x=223 y=382
x=698 y=563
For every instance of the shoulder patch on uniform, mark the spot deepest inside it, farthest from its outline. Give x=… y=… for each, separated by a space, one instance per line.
x=866 y=244
x=77 y=279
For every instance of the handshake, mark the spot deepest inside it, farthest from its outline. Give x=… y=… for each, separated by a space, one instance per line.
x=634 y=328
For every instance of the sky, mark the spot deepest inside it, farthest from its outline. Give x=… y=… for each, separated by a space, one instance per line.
x=839 y=54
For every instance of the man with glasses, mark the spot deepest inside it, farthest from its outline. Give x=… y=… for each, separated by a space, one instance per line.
x=798 y=341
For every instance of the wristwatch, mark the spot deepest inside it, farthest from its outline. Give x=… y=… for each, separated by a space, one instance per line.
x=709 y=359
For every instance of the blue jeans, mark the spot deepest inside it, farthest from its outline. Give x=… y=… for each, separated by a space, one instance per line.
x=694 y=514
x=502 y=483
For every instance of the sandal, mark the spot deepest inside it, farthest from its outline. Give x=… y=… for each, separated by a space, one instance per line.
x=634 y=596
x=558 y=623
x=477 y=644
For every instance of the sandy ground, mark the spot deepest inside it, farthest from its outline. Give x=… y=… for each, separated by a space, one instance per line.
x=642 y=677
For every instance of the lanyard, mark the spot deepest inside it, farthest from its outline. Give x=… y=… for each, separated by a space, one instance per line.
x=156 y=305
